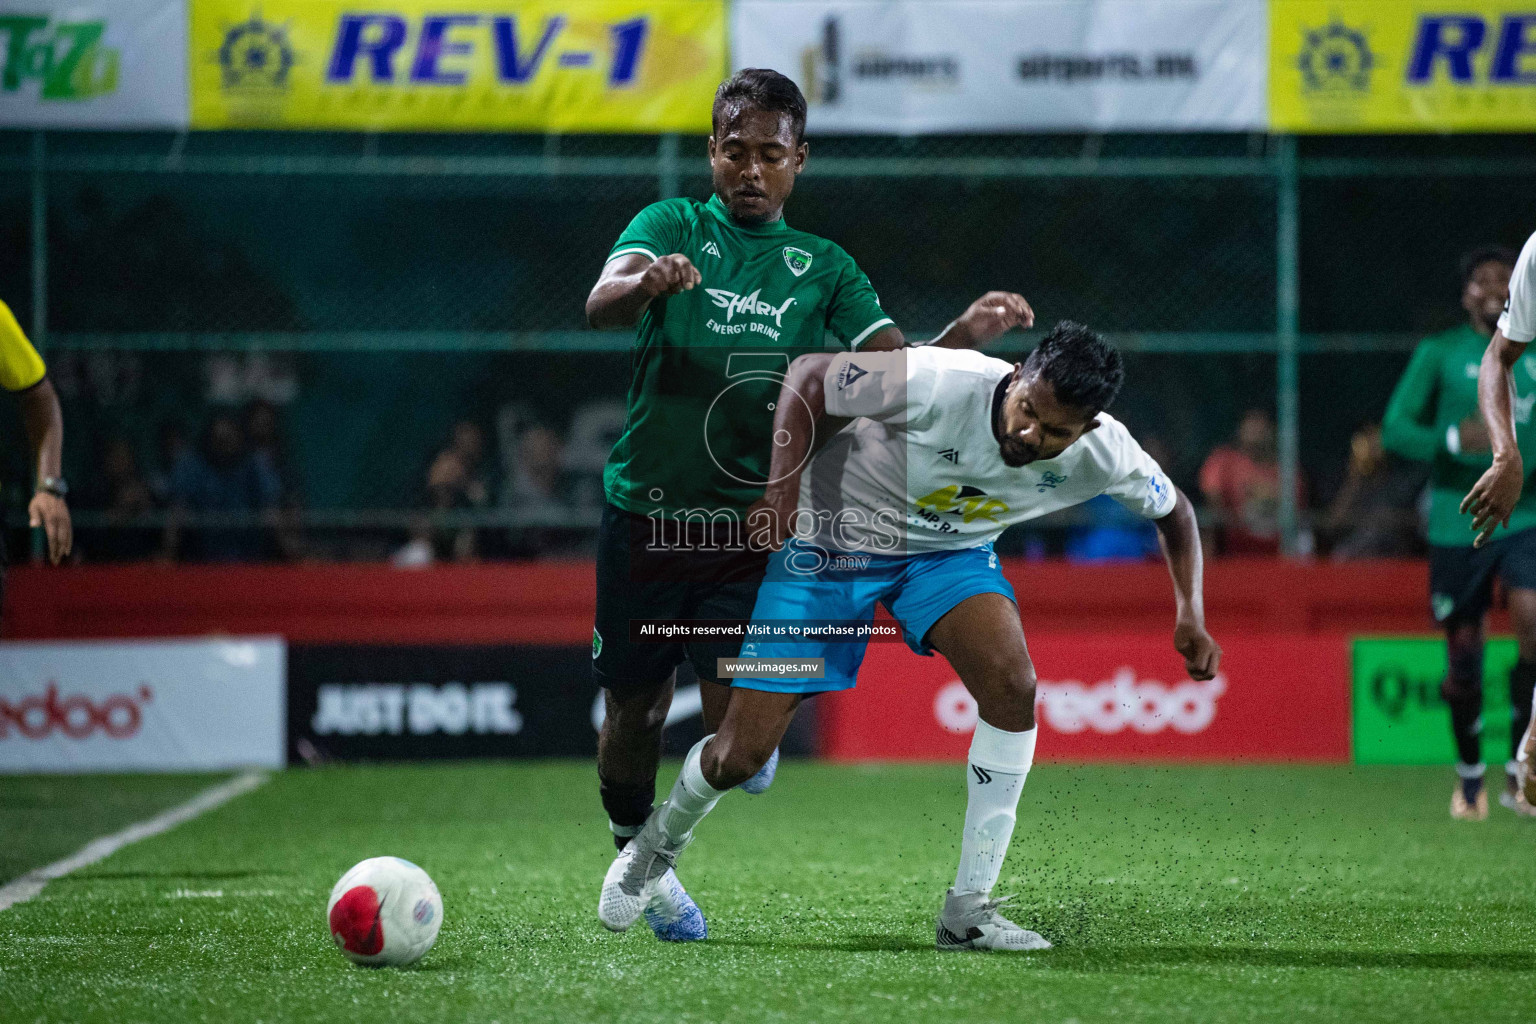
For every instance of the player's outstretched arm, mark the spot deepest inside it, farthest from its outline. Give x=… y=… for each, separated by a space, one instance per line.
x=628 y=284
x=1494 y=495
x=801 y=406
x=1179 y=535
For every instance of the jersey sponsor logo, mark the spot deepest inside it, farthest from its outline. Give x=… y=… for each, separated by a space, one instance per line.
x=1049 y=481
x=797 y=260
x=749 y=305
x=950 y=455
x=848 y=374
x=710 y=249
x=1159 y=488
x=967 y=502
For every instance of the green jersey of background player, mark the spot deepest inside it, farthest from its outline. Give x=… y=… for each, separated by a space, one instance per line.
x=1433 y=416
x=725 y=295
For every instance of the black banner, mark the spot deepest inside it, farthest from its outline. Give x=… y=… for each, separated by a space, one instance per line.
x=358 y=703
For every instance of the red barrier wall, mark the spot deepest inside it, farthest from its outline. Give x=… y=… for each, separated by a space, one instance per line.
x=551 y=602
x=1111 y=698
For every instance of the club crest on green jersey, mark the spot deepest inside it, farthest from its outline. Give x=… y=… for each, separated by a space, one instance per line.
x=797 y=260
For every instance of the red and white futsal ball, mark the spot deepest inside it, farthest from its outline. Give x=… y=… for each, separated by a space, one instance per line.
x=385 y=912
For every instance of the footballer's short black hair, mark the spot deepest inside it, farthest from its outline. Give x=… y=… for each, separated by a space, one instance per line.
x=1470 y=261
x=764 y=89
x=1083 y=369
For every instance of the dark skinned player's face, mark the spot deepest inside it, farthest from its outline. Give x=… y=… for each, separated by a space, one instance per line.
x=754 y=160
x=1034 y=425
x=1486 y=292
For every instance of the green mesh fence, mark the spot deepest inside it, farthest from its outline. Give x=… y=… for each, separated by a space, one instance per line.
x=378 y=289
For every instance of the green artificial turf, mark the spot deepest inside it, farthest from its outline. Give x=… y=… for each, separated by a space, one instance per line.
x=1182 y=894
x=46 y=817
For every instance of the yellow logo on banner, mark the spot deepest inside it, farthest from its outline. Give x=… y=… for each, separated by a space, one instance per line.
x=1402 y=65
x=466 y=65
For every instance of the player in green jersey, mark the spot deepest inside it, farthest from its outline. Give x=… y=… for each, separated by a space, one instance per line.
x=1433 y=416
x=724 y=294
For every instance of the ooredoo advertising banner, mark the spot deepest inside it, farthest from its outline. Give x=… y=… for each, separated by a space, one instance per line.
x=103 y=64
x=470 y=65
x=1108 y=698
x=1403 y=65
x=908 y=66
x=153 y=705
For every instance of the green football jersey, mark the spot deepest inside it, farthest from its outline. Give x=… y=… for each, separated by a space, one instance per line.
x=1437 y=392
x=708 y=363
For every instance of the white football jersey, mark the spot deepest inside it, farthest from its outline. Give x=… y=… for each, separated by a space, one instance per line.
x=919 y=470
x=1519 y=320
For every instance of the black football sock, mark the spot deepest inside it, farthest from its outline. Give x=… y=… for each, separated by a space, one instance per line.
x=1463 y=691
x=628 y=806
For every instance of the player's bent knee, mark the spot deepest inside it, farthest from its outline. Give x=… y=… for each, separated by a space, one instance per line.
x=727 y=762
x=641 y=711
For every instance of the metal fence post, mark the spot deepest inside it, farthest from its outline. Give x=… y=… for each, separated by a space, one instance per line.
x=39 y=242
x=1287 y=298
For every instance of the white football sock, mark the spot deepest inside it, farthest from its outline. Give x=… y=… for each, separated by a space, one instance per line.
x=691 y=798
x=999 y=764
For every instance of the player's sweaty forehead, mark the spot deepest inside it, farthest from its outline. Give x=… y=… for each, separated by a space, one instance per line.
x=739 y=121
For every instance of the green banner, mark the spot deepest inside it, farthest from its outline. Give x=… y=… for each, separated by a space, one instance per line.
x=1399 y=716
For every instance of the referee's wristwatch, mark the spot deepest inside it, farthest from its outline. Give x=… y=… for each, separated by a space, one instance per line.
x=53 y=485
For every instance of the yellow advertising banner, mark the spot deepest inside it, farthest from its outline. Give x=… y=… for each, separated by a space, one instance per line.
x=457 y=65
x=1402 y=65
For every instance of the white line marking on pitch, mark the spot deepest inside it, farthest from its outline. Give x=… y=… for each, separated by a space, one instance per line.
x=30 y=884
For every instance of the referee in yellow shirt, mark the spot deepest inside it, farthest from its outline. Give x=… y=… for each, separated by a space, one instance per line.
x=23 y=374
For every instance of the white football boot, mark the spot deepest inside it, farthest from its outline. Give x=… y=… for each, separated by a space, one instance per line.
x=970 y=921
x=633 y=877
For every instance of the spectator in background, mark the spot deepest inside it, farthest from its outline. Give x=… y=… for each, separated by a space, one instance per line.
x=1375 y=512
x=171 y=446
x=222 y=476
x=537 y=490
x=1242 y=482
x=118 y=490
x=263 y=436
x=455 y=480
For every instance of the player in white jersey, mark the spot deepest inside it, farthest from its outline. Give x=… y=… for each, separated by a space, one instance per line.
x=1494 y=496
x=945 y=450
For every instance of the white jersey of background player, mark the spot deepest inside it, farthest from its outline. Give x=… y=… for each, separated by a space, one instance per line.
x=1493 y=497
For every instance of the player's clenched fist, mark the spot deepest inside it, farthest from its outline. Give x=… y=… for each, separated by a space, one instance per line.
x=1202 y=655
x=669 y=275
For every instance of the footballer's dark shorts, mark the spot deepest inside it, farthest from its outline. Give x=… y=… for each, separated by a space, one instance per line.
x=1461 y=578
x=654 y=570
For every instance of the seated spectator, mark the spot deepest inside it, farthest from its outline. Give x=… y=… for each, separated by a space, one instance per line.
x=1241 y=481
x=118 y=490
x=222 y=476
x=264 y=437
x=454 y=481
x=1375 y=513
x=537 y=489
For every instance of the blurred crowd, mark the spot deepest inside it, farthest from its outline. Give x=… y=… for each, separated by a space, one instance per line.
x=521 y=488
